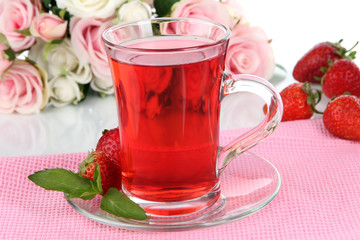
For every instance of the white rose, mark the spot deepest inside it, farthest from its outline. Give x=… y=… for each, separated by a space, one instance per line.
x=80 y=73
x=102 y=85
x=62 y=60
x=64 y=91
x=90 y=8
x=36 y=54
x=134 y=10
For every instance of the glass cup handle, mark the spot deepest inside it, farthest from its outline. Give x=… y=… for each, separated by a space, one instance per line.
x=262 y=88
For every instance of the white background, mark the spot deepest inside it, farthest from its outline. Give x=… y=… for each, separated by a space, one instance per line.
x=293 y=26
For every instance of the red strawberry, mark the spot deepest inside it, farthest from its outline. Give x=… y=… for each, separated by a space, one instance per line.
x=299 y=101
x=110 y=170
x=342 y=76
x=342 y=117
x=110 y=143
x=308 y=68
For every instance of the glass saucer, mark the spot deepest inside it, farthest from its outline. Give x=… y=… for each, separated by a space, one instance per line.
x=247 y=185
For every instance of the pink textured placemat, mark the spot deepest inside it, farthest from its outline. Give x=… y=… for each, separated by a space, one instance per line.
x=319 y=197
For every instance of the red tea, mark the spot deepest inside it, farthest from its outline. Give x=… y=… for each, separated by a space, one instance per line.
x=169 y=119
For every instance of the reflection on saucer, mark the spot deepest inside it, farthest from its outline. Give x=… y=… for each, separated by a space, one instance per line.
x=247 y=186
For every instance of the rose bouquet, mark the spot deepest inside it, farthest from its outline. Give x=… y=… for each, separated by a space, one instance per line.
x=51 y=50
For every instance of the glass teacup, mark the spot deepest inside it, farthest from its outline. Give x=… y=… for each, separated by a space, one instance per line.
x=169 y=79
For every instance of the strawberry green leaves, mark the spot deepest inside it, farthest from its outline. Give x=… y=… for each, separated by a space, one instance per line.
x=314 y=96
x=343 y=52
x=114 y=201
x=76 y=186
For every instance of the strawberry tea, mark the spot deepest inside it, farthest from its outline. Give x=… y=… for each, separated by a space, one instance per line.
x=169 y=111
x=169 y=80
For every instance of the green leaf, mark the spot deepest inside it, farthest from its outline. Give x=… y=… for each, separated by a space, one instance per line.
x=63 y=70
x=25 y=32
x=56 y=10
x=47 y=4
x=10 y=54
x=163 y=7
x=317 y=78
x=62 y=13
x=85 y=195
x=96 y=184
x=66 y=181
x=3 y=40
x=309 y=100
x=57 y=41
x=352 y=55
x=330 y=62
x=48 y=48
x=85 y=89
x=323 y=69
x=118 y=204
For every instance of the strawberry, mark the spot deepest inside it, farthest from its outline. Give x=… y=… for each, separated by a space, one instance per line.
x=299 y=101
x=109 y=143
x=342 y=76
x=110 y=171
x=342 y=117
x=308 y=68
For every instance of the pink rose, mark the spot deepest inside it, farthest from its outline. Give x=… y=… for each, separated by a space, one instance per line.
x=48 y=27
x=203 y=9
x=87 y=44
x=24 y=89
x=236 y=10
x=17 y=15
x=4 y=62
x=249 y=52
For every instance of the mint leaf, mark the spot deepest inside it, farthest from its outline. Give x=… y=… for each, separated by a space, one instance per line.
x=118 y=204
x=83 y=194
x=163 y=7
x=96 y=184
x=66 y=181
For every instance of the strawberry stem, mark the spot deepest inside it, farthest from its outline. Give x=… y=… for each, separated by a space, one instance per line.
x=353 y=46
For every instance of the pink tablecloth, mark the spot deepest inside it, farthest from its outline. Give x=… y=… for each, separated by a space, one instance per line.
x=319 y=198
